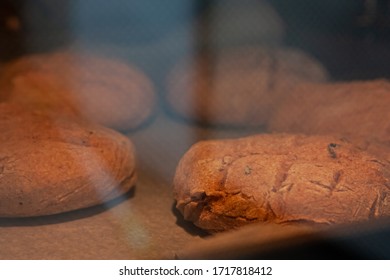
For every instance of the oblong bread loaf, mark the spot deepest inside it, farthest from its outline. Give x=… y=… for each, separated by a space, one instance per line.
x=280 y=178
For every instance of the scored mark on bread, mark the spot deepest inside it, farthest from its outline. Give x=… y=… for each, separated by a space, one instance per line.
x=331 y=150
x=374 y=209
x=322 y=185
x=333 y=185
x=378 y=162
x=286 y=187
x=336 y=178
x=281 y=177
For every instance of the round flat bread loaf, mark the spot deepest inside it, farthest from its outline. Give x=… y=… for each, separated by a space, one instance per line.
x=50 y=165
x=353 y=109
x=100 y=90
x=280 y=178
x=239 y=86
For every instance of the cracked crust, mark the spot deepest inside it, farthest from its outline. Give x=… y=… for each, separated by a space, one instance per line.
x=239 y=86
x=223 y=184
x=49 y=166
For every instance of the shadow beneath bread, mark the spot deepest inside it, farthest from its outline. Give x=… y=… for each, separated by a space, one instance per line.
x=66 y=216
x=189 y=227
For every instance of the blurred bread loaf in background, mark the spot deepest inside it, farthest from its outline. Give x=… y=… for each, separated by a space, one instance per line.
x=104 y=91
x=238 y=86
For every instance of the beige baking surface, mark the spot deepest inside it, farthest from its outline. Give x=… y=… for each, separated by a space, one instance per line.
x=142 y=225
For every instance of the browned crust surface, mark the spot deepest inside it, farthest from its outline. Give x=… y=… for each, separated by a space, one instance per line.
x=279 y=178
x=51 y=165
x=101 y=90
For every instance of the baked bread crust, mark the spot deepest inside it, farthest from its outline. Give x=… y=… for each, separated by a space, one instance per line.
x=52 y=165
x=280 y=178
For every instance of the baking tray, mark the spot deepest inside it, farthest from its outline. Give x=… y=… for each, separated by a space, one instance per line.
x=143 y=224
